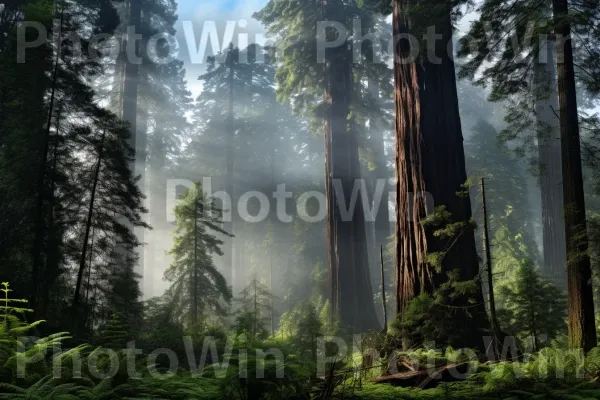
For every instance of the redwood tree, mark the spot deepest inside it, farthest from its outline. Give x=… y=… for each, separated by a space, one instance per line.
x=509 y=74
x=549 y=152
x=430 y=158
x=581 y=323
x=328 y=87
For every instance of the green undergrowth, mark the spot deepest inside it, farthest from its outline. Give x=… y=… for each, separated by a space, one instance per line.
x=31 y=370
x=472 y=390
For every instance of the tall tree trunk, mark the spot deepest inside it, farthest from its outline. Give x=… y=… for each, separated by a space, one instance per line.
x=140 y=170
x=255 y=309
x=553 y=225
x=157 y=210
x=381 y=226
x=383 y=301
x=370 y=180
x=130 y=96
x=194 y=277
x=581 y=325
x=495 y=328
x=228 y=250
x=130 y=85
x=40 y=228
x=430 y=159
x=349 y=265
x=330 y=222
x=88 y=309
x=88 y=225
x=53 y=258
x=274 y=163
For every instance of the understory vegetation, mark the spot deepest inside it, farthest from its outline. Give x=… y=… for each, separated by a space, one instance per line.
x=320 y=216
x=302 y=360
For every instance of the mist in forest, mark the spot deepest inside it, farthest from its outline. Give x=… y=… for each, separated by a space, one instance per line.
x=238 y=23
x=391 y=199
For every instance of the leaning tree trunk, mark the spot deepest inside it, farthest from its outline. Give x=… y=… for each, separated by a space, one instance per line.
x=89 y=221
x=352 y=295
x=553 y=225
x=581 y=323
x=430 y=159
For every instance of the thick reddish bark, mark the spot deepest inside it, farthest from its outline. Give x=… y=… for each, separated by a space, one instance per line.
x=430 y=158
x=581 y=325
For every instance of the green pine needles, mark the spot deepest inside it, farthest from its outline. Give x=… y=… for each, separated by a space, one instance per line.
x=198 y=289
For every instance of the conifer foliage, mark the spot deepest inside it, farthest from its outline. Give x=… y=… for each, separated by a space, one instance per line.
x=269 y=305
x=255 y=309
x=533 y=309
x=198 y=289
x=515 y=36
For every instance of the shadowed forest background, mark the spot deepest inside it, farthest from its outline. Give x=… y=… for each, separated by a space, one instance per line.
x=479 y=152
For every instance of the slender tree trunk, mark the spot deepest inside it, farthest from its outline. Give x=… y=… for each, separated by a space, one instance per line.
x=194 y=278
x=271 y=310
x=534 y=332
x=52 y=270
x=239 y=257
x=383 y=228
x=274 y=163
x=88 y=225
x=140 y=170
x=40 y=228
x=255 y=309
x=88 y=311
x=490 y=276
x=383 y=302
x=330 y=226
x=430 y=163
x=372 y=246
x=380 y=227
x=553 y=224
x=581 y=325
x=228 y=267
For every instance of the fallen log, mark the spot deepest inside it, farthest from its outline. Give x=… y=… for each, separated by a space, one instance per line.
x=426 y=378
